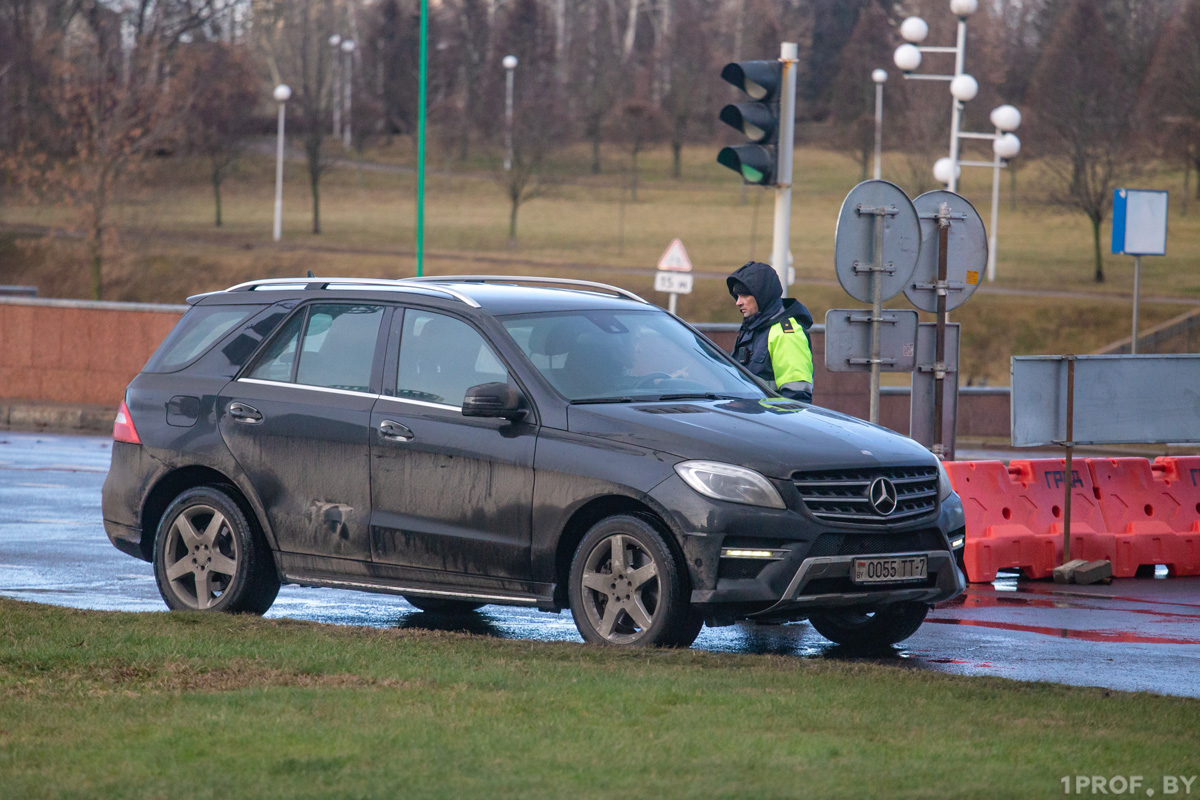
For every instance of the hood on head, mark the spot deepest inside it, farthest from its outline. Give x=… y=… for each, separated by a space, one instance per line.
x=761 y=280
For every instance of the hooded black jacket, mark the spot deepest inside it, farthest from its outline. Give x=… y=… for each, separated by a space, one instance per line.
x=752 y=346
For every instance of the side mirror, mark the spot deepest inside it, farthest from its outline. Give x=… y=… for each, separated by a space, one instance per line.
x=493 y=400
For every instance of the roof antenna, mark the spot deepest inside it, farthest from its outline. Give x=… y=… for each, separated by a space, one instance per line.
x=310 y=274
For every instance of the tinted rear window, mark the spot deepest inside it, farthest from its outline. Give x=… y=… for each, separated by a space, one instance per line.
x=200 y=328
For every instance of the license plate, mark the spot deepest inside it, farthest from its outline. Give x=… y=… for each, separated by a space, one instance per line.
x=899 y=569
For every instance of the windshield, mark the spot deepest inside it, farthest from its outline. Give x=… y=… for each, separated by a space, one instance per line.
x=623 y=356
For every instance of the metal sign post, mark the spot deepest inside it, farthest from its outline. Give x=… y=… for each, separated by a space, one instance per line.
x=878 y=242
x=954 y=253
x=1139 y=229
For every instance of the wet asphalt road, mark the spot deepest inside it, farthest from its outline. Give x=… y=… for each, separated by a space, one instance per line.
x=1130 y=635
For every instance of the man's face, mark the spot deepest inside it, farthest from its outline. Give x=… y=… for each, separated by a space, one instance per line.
x=747 y=305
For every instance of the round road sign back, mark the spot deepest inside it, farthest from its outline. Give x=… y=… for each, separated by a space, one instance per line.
x=854 y=247
x=966 y=257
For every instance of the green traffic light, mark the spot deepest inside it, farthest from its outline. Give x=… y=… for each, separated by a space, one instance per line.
x=751 y=174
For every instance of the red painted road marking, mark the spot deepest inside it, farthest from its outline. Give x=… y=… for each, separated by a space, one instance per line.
x=1068 y=633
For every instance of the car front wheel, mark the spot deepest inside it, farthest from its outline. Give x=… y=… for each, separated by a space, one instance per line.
x=208 y=558
x=887 y=626
x=626 y=587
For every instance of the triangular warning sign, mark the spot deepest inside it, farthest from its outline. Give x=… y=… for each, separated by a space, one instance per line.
x=675 y=259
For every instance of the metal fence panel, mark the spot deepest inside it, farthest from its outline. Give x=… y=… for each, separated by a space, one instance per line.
x=1119 y=399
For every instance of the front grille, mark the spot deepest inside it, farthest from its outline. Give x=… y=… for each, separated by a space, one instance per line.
x=873 y=544
x=841 y=495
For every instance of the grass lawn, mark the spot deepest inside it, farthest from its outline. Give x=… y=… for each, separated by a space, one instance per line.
x=586 y=226
x=104 y=704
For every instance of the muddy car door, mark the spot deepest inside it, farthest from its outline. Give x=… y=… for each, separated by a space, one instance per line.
x=451 y=494
x=297 y=420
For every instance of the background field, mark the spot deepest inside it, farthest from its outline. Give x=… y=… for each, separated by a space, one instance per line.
x=102 y=704
x=587 y=227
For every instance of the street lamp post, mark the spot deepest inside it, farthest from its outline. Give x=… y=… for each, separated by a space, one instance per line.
x=335 y=83
x=282 y=94
x=348 y=49
x=880 y=77
x=963 y=89
x=510 y=65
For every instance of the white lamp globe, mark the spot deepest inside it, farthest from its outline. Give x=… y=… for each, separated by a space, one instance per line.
x=335 y=40
x=914 y=29
x=879 y=75
x=510 y=62
x=283 y=93
x=1006 y=146
x=348 y=46
x=907 y=57
x=1006 y=118
x=964 y=88
x=941 y=170
x=963 y=8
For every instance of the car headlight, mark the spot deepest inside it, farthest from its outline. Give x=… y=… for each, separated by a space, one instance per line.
x=944 y=487
x=728 y=482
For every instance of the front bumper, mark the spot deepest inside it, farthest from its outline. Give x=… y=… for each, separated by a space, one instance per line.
x=811 y=559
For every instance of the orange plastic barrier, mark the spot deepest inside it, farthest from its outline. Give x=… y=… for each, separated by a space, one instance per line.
x=1153 y=512
x=1044 y=482
x=1014 y=516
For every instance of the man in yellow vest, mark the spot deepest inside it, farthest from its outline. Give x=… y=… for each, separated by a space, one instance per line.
x=773 y=341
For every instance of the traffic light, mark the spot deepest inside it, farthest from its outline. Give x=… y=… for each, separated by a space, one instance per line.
x=756 y=161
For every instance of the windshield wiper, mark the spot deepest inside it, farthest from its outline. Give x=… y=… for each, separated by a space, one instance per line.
x=699 y=396
x=592 y=400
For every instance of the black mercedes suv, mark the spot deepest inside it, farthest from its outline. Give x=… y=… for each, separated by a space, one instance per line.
x=558 y=444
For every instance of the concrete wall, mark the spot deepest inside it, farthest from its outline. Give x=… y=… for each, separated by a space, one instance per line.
x=66 y=351
x=982 y=411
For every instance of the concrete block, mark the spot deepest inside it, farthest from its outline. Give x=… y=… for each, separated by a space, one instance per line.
x=1063 y=574
x=1092 y=572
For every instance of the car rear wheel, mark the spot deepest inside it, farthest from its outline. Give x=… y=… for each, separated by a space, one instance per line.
x=626 y=587
x=208 y=558
x=439 y=605
x=886 y=626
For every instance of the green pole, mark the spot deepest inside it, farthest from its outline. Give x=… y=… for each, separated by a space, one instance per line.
x=421 y=140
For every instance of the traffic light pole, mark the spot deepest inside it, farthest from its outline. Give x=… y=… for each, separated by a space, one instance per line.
x=789 y=56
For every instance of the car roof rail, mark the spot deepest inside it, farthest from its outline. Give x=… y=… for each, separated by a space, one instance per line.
x=570 y=282
x=300 y=284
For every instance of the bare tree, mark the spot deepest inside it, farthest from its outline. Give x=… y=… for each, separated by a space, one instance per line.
x=222 y=107
x=295 y=36
x=111 y=107
x=638 y=124
x=869 y=47
x=1082 y=115
x=538 y=121
x=1170 y=96
x=689 y=69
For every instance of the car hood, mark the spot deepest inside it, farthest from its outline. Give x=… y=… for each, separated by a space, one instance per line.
x=774 y=437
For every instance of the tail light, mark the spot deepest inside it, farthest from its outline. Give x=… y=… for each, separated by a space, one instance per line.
x=123 y=430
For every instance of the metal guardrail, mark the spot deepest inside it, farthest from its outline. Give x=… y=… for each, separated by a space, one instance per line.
x=18 y=291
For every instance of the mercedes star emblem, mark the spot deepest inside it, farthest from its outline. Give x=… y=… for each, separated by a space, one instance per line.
x=882 y=495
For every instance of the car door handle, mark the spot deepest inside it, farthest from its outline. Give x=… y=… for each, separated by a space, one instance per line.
x=244 y=413
x=394 y=431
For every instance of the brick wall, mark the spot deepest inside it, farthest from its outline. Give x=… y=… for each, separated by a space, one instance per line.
x=66 y=351
x=982 y=412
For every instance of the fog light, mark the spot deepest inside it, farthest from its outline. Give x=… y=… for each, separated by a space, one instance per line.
x=730 y=552
x=957 y=543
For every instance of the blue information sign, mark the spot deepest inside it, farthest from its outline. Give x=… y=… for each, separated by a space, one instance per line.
x=1139 y=222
